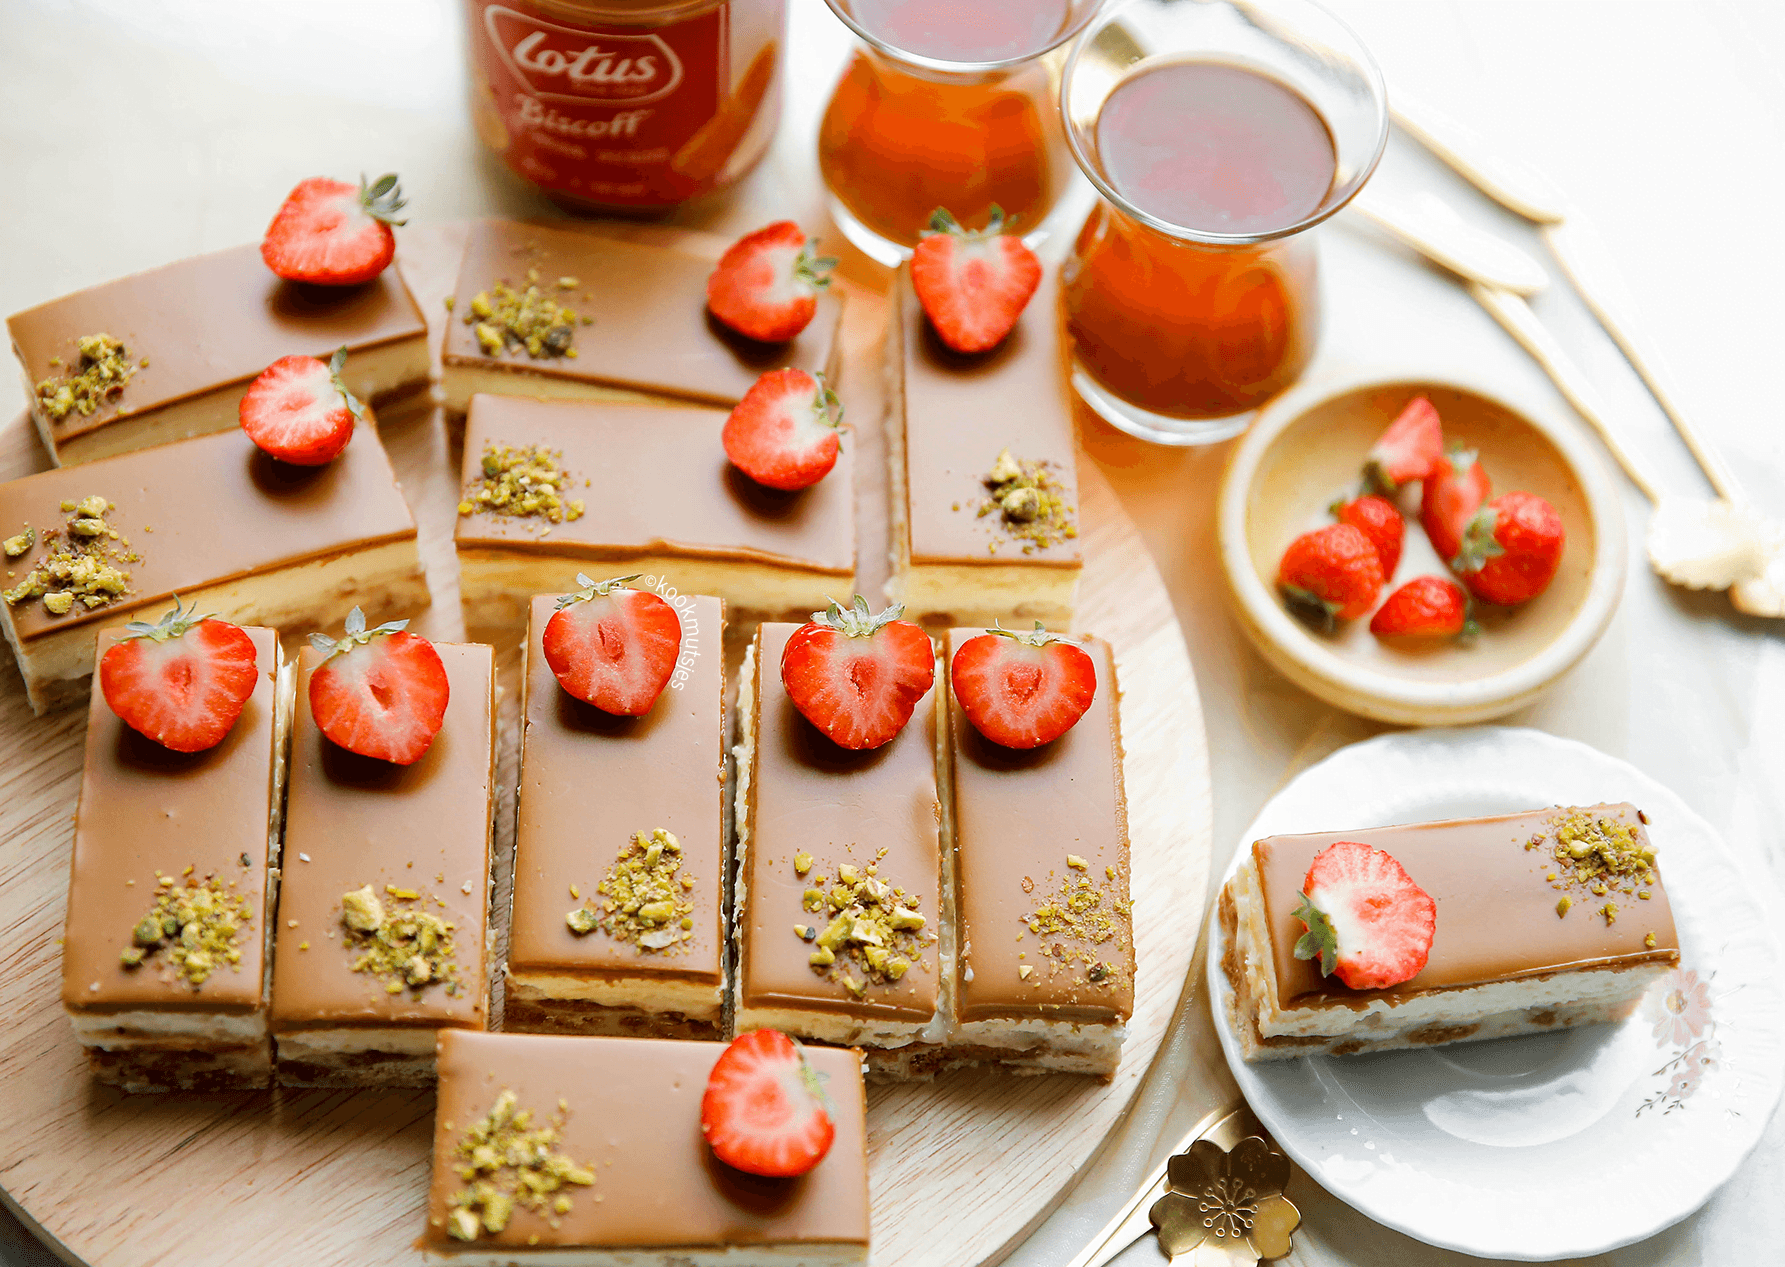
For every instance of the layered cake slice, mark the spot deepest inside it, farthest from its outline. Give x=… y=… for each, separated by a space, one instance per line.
x=211 y=519
x=1541 y=921
x=167 y=354
x=590 y=1151
x=983 y=471
x=553 y=487
x=384 y=905
x=1044 y=974
x=560 y=313
x=166 y=949
x=839 y=908
x=618 y=923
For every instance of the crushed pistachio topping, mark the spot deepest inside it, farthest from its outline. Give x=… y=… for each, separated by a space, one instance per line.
x=506 y=1161
x=194 y=925
x=400 y=945
x=503 y=317
x=521 y=483
x=101 y=373
x=1595 y=855
x=80 y=561
x=1087 y=911
x=644 y=899
x=874 y=931
x=1030 y=502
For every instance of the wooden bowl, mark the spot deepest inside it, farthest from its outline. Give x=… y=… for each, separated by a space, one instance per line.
x=1307 y=451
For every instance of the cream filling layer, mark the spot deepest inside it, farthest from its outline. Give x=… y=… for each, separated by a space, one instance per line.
x=1597 y=988
x=978 y=594
x=694 y=999
x=385 y=370
x=117 y=1031
x=384 y=579
x=791 y=1254
x=322 y=1046
x=496 y=585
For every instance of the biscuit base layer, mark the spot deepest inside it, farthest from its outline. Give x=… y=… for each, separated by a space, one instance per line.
x=526 y=1012
x=385 y=581
x=356 y=1058
x=1501 y=1009
x=143 y=1067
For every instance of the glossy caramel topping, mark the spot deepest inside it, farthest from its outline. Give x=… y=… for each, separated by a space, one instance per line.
x=207 y=322
x=421 y=828
x=1497 y=915
x=590 y=781
x=206 y=510
x=1023 y=821
x=654 y=480
x=145 y=808
x=631 y=1111
x=961 y=412
x=650 y=329
x=808 y=796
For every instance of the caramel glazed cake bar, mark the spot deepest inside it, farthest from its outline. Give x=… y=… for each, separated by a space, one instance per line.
x=166 y=956
x=167 y=354
x=212 y=519
x=1545 y=920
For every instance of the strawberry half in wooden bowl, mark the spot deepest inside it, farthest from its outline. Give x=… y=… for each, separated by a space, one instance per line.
x=1510 y=559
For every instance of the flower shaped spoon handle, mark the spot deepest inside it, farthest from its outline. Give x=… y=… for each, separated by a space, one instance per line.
x=1219 y=1203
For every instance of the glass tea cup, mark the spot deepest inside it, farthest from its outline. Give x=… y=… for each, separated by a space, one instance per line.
x=947 y=105
x=1218 y=133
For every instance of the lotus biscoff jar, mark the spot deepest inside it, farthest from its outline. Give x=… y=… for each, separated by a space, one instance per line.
x=626 y=104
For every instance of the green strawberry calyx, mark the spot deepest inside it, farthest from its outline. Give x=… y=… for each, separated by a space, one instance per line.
x=1478 y=545
x=1320 y=941
x=942 y=221
x=355 y=634
x=856 y=621
x=593 y=589
x=1039 y=636
x=173 y=625
x=1320 y=610
x=336 y=364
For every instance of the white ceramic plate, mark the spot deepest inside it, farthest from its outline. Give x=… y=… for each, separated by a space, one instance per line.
x=1554 y=1145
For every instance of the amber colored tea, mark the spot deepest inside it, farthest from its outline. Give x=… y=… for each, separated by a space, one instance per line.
x=1181 y=327
x=898 y=141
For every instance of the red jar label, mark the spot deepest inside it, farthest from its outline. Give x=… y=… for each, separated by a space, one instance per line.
x=630 y=116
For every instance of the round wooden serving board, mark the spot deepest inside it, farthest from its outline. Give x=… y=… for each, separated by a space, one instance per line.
x=961 y=1169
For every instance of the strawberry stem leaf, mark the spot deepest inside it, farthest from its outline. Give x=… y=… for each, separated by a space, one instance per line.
x=1039 y=636
x=173 y=625
x=856 y=621
x=942 y=221
x=1478 y=545
x=336 y=364
x=815 y=269
x=1320 y=941
x=355 y=634
x=1310 y=605
x=383 y=199
x=593 y=589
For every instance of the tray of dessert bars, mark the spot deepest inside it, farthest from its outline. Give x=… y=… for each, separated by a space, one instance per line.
x=1023 y=920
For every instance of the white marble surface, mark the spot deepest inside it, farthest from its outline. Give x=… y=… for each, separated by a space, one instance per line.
x=132 y=133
